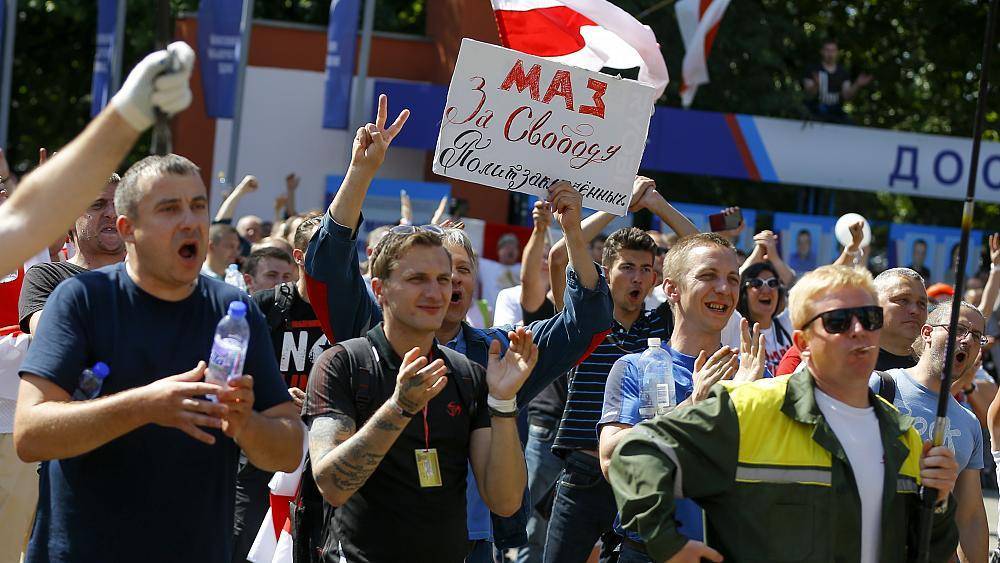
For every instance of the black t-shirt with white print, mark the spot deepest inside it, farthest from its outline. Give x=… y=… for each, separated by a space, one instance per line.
x=301 y=339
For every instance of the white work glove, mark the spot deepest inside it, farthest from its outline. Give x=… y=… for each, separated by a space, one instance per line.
x=151 y=84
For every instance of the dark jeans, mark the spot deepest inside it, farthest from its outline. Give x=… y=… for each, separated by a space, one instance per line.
x=543 y=470
x=584 y=509
x=252 y=501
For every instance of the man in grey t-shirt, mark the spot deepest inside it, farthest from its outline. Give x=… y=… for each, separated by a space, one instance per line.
x=917 y=391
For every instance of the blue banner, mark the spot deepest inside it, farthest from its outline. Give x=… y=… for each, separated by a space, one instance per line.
x=341 y=41
x=100 y=86
x=219 y=53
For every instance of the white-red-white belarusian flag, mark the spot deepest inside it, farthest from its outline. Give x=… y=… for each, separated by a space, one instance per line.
x=699 y=22
x=273 y=543
x=591 y=34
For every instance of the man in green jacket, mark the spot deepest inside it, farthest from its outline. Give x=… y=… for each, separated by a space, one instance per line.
x=810 y=467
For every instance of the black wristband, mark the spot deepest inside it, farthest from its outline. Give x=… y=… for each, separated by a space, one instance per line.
x=502 y=414
x=970 y=390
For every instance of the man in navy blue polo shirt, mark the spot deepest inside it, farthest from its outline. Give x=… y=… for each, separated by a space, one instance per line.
x=147 y=470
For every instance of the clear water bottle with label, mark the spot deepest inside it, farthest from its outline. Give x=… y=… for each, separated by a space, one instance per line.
x=657 y=394
x=234 y=277
x=91 y=381
x=229 y=350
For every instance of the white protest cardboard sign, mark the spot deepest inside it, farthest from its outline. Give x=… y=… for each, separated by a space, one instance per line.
x=519 y=122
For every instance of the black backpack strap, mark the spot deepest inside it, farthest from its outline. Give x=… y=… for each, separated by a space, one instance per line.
x=363 y=365
x=886 y=386
x=278 y=316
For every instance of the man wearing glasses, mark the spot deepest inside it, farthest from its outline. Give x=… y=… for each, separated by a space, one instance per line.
x=917 y=391
x=793 y=468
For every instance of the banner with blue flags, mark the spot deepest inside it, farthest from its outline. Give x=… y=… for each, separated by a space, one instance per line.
x=219 y=53
x=341 y=43
x=100 y=86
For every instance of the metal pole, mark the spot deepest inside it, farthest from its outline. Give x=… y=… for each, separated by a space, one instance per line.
x=928 y=495
x=116 y=49
x=7 y=70
x=246 y=23
x=358 y=117
x=162 y=143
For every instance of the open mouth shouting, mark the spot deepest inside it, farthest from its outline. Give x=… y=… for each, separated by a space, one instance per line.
x=188 y=252
x=456 y=296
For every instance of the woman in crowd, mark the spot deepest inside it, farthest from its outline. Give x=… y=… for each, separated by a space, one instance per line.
x=762 y=301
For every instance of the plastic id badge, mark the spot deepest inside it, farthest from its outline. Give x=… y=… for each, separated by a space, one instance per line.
x=428 y=468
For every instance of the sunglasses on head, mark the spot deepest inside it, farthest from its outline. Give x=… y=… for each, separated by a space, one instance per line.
x=410 y=229
x=840 y=320
x=757 y=283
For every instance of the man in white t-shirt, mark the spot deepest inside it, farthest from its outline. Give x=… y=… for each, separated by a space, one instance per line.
x=771 y=462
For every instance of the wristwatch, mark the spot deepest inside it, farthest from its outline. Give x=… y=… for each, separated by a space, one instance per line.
x=971 y=389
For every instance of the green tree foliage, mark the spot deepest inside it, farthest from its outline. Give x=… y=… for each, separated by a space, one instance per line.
x=924 y=57
x=54 y=56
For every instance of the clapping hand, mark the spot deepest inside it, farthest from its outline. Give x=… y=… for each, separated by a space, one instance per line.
x=504 y=376
x=710 y=370
x=753 y=354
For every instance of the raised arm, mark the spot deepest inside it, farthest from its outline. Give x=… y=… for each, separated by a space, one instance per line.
x=291 y=184
x=534 y=286
x=336 y=287
x=370 y=145
x=228 y=208
x=48 y=200
x=645 y=196
x=343 y=458
x=852 y=253
x=766 y=249
x=992 y=288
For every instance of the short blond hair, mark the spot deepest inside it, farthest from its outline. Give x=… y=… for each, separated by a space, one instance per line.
x=677 y=261
x=821 y=281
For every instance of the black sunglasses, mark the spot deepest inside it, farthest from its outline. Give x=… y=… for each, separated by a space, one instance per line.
x=839 y=320
x=410 y=229
x=757 y=283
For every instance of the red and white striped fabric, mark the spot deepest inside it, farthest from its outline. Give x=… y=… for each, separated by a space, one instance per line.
x=591 y=34
x=699 y=22
x=273 y=543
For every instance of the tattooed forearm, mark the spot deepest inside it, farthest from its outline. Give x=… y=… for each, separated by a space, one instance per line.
x=342 y=459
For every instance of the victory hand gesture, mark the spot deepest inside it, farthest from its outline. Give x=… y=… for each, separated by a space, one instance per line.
x=372 y=141
x=504 y=376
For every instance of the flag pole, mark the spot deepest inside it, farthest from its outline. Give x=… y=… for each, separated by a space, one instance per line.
x=161 y=143
x=246 y=26
x=929 y=495
x=116 y=49
x=358 y=117
x=6 y=69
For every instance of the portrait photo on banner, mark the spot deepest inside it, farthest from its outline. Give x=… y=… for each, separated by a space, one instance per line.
x=806 y=241
x=932 y=251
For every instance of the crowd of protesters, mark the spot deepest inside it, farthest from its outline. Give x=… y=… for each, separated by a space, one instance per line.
x=803 y=401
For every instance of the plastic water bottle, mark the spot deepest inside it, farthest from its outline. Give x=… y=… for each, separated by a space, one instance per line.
x=229 y=350
x=657 y=394
x=234 y=277
x=91 y=381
